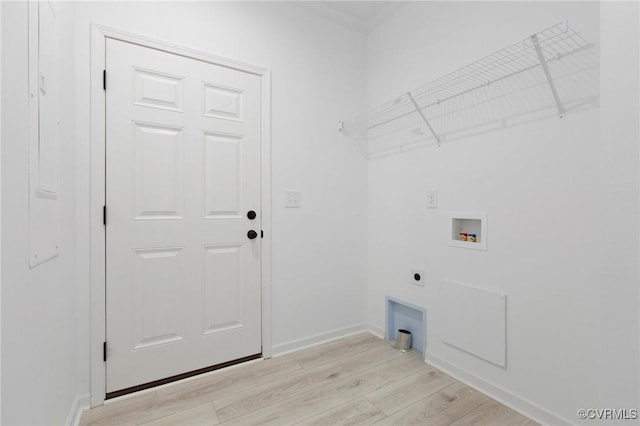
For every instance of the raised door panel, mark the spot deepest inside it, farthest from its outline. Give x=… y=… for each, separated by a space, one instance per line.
x=154 y=89
x=158 y=285
x=224 y=288
x=158 y=172
x=223 y=102
x=223 y=176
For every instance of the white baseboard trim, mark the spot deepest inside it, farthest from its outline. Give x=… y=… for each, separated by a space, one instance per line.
x=503 y=396
x=80 y=403
x=317 y=339
x=377 y=331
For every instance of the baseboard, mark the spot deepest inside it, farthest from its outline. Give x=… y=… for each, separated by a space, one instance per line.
x=375 y=330
x=80 y=403
x=503 y=396
x=317 y=339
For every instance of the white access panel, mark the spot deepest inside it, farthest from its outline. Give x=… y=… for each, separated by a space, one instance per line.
x=475 y=321
x=44 y=216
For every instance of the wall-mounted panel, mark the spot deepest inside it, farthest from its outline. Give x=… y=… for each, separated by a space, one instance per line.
x=44 y=220
x=158 y=286
x=224 y=288
x=223 y=176
x=158 y=172
x=48 y=111
x=474 y=320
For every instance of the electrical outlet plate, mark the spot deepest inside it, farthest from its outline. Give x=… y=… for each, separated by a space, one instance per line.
x=292 y=198
x=432 y=199
x=415 y=273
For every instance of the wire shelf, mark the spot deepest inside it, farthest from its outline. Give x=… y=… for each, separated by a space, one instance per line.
x=547 y=73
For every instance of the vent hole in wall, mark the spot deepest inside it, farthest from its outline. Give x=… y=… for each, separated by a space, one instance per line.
x=406 y=316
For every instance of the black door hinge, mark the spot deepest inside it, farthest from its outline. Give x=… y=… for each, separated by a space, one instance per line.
x=104 y=79
x=104 y=351
x=104 y=215
x=261 y=233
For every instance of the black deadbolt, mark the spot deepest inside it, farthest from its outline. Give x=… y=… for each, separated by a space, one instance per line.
x=252 y=234
x=416 y=277
x=251 y=214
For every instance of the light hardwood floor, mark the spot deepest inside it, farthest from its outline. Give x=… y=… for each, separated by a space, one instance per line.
x=360 y=380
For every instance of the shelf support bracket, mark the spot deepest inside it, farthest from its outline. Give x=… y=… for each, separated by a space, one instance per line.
x=547 y=74
x=415 y=104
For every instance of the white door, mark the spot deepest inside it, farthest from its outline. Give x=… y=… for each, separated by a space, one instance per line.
x=183 y=285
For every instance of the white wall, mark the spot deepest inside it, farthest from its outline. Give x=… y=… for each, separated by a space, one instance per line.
x=319 y=250
x=0 y=216
x=620 y=136
x=556 y=215
x=38 y=305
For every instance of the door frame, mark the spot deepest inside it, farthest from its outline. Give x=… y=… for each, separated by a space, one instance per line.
x=99 y=36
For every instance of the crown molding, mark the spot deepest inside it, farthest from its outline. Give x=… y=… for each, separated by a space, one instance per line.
x=327 y=10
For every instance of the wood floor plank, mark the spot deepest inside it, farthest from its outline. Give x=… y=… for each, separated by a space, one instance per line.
x=403 y=393
x=332 y=351
x=237 y=378
x=358 y=380
x=177 y=396
x=237 y=404
x=439 y=409
x=156 y=408
x=358 y=412
x=130 y=403
x=202 y=415
x=323 y=398
x=412 y=362
x=491 y=412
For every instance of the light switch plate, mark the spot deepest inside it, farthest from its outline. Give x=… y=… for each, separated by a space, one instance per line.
x=292 y=198
x=432 y=199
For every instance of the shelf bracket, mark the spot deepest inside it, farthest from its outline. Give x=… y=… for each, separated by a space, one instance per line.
x=547 y=74
x=419 y=111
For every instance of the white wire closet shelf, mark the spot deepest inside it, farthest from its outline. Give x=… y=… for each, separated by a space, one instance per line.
x=546 y=74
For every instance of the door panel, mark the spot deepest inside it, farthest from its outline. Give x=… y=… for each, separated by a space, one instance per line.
x=158 y=90
x=223 y=102
x=183 y=167
x=158 y=297
x=158 y=172
x=224 y=288
x=223 y=176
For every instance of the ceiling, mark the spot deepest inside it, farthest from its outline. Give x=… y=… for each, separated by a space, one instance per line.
x=362 y=16
x=364 y=11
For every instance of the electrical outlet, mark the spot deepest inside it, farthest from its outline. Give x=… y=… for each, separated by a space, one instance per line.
x=292 y=199
x=432 y=199
x=417 y=277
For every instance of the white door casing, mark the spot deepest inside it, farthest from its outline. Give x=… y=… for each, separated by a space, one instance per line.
x=209 y=217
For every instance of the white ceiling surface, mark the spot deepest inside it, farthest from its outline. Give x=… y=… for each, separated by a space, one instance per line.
x=362 y=16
